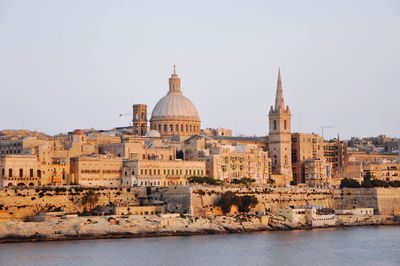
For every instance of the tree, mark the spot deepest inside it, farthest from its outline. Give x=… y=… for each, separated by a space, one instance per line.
x=226 y=201
x=90 y=197
x=270 y=181
x=349 y=183
x=245 y=202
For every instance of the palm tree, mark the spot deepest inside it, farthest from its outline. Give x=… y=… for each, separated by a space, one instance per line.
x=91 y=198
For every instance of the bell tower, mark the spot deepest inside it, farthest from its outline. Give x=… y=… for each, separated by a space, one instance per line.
x=139 y=120
x=280 y=143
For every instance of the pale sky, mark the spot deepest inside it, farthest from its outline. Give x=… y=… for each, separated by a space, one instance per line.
x=78 y=64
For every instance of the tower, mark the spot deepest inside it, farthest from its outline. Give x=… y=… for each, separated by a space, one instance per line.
x=280 y=146
x=139 y=119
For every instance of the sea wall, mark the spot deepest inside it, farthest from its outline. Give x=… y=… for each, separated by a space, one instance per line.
x=19 y=203
x=203 y=199
x=385 y=201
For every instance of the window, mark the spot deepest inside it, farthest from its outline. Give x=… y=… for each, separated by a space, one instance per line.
x=191 y=128
x=171 y=127
x=2 y=172
x=284 y=124
x=274 y=124
x=165 y=128
x=181 y=127
x=159 y=127
x=31 y=172
x=21 y=172
x=176 y=127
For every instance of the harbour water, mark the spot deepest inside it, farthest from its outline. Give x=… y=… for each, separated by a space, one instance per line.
x=377 y=245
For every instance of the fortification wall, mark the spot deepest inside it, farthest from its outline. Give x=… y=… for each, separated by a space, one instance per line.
x=203 y=199
x=18 y=203
x=385 y=201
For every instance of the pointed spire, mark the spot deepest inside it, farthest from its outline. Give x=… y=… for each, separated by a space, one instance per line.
x=279 y=102
x=174 y=82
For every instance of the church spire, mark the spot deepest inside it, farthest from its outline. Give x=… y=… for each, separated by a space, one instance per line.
x=174 y=82
x=279 y=102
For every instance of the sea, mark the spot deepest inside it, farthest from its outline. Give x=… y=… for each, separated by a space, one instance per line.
x=367 y=245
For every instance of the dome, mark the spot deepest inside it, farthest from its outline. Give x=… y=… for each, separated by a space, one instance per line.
x=174 y=105
x=78 y=132
x=152 y=134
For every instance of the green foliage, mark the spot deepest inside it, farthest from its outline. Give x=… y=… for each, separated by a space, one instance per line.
x=245 y=180
x=242 y=202
x=371 y=183
x=204 y=180
x=179 y=155
x=182 y=215
x=91 y=198
x=349 y=183
x=201 y=192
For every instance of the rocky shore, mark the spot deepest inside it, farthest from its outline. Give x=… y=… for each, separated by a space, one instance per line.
x=96 y=227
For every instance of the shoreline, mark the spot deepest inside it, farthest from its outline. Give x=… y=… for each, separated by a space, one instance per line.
x=15 y=238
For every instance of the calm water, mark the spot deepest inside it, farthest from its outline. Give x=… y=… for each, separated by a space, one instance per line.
x=350 y=246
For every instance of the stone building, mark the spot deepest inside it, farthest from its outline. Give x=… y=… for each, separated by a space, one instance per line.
x=317 y=173
x=227 y=162
x=160 y=172
x=305 y=147
x=382 y=170
x=139 y=122
x=96 y=170
x=175 y=114
x=139 y=150
x=18 y=170
x=280 y=146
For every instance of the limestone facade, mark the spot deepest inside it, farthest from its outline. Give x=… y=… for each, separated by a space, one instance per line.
x=18 y=170
x=96 y=170
x=279 y=143
x=318 y=173
x=160 y=172
x=235 y=162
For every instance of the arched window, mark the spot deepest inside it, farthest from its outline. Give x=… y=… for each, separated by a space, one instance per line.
x=187 y=128
x=181 y=127
x=284 y=123
x=142 y=115
x=159 y=127
x=171 y=127
x=274 y=124
x=177 y=128
x=165 y=128
x=191 y=128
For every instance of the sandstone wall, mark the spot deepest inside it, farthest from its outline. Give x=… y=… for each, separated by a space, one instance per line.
x=18 y=203
x=269 y=199
x=385 y=201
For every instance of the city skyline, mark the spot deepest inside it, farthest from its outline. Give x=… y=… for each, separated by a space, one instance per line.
x=63 y=74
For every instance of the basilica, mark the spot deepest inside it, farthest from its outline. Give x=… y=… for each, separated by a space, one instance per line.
x=174 y=114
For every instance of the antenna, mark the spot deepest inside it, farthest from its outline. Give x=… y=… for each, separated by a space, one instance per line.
x=324 y=127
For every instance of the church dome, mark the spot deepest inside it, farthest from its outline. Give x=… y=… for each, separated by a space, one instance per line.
x=174 y=105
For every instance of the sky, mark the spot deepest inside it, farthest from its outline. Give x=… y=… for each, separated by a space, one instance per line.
x=79 y=64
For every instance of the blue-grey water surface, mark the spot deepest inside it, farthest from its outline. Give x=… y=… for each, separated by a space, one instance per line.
x=348 y=246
